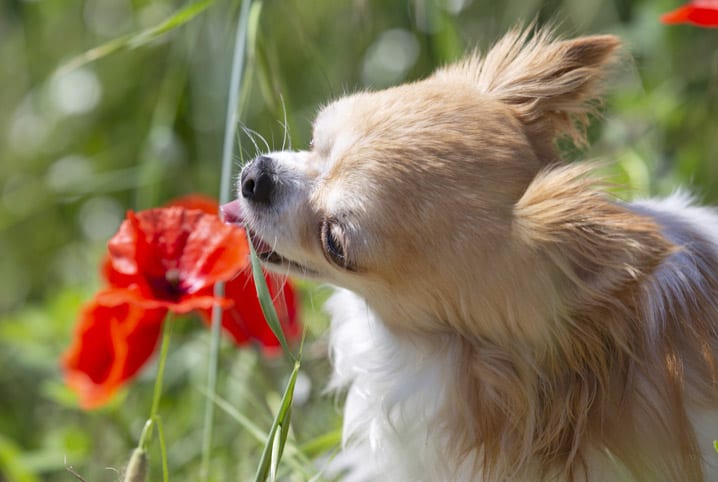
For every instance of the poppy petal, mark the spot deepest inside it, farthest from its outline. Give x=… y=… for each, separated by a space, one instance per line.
x=244 y=321
x=111 y=345
x=213 y=254
x=703 y=13
x=123 y=246
x=136 y=296
x=113 y=277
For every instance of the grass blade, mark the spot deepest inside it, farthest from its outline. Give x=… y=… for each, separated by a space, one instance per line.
x=284 y=433
x=132 y=41
x=275 y=457
x=281 y=420
x=265 y=301
x=255 y=12
x=235 y=85
x=278 y=445
x=179 y=18
x=230 y=122
x=293 y=456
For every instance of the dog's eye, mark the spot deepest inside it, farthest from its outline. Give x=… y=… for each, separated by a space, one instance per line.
x=333 y=244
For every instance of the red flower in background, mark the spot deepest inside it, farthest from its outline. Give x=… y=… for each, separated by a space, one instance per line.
x=703 y=13
x=160 y=260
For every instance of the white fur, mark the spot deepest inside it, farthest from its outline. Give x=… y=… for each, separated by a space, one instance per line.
x=393 y=399
x=679 y=207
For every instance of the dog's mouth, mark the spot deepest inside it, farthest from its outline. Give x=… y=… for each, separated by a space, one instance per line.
x=232 y=213
x=264 y=250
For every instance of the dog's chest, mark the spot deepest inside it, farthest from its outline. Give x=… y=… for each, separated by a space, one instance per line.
x=396 y=390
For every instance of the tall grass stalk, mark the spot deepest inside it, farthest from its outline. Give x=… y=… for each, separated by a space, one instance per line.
x=277 y=437
x=224 y=196
x=138 y=39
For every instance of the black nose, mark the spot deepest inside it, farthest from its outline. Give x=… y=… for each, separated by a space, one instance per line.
x=257 y=180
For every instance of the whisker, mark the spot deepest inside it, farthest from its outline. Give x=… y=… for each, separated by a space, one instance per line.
x=239 y=156
x=261 y=137
x=286 y=138
x=249 y=132
x=285 y=276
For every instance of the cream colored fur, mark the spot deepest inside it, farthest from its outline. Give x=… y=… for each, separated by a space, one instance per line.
x=505 y=318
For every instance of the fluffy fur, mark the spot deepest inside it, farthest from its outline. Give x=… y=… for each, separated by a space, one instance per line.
x=502 y=317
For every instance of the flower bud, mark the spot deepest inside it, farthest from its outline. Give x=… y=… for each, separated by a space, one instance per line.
x=137 y=468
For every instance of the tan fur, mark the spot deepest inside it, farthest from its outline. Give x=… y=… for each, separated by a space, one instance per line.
x=458 y=224
x=552 y=86
x=548 y=404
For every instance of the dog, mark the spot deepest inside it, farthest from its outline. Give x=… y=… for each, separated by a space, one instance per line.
x=500 y=316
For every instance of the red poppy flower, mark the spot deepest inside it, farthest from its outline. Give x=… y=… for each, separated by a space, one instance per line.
x=161 y=260
x=703 y=13
x=111 y=344
x=244 y=320
x=171 y=257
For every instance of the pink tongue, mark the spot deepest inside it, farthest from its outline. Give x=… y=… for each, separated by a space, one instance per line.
x=232 y=212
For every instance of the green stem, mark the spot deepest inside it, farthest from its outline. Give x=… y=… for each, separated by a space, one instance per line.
x=146 y=437
x=166 y=333
x=224 y=197
x=211 y=383
x=230 y=126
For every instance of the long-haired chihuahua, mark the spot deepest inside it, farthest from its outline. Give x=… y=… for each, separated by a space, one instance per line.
x=500 y=316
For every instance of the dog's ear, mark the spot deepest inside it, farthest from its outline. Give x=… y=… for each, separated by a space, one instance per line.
x=551 y=85
x=601 y=247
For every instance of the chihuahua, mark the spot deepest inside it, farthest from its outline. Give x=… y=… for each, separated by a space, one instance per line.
x=499 y=316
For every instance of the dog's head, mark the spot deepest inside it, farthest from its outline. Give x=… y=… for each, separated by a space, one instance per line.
x=415 y=185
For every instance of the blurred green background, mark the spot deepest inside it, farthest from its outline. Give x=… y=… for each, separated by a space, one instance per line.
x=143 y=125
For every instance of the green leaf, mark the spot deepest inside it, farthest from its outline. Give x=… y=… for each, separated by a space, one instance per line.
x=279 y=442
x=274 y=464
x=265 y=301
x=132 y=41
x=281 y=420
x=284 y=432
